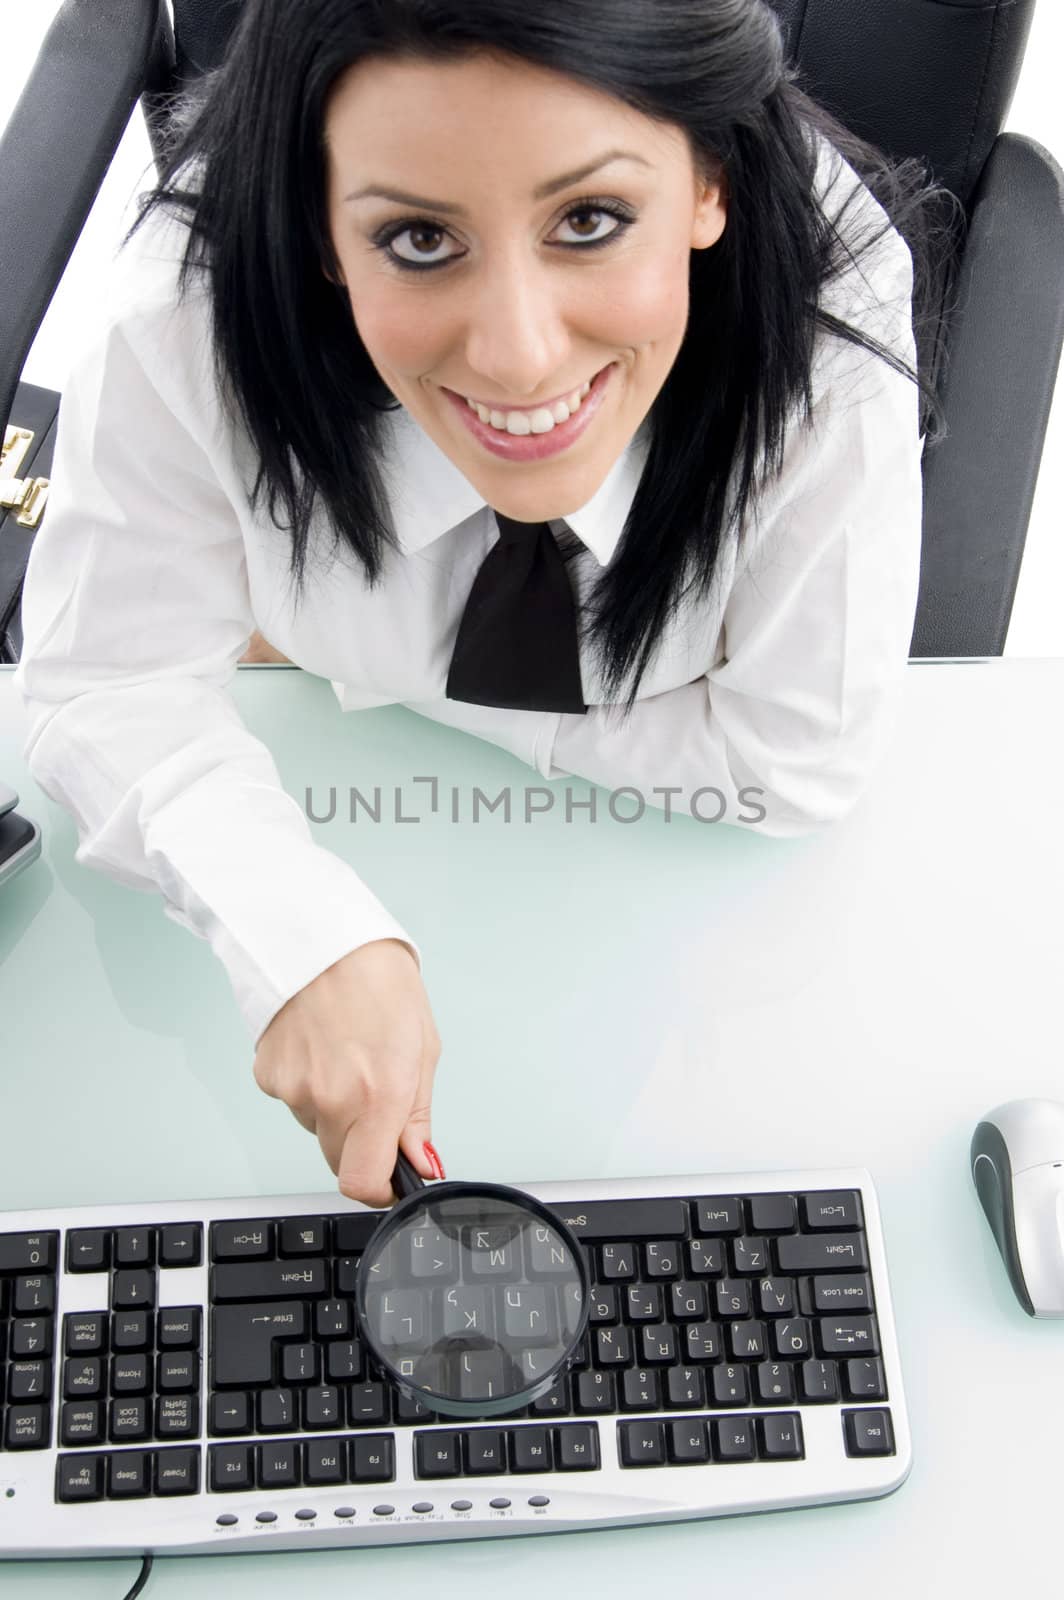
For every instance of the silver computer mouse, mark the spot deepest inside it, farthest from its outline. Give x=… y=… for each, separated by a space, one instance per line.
x=1017 y=1160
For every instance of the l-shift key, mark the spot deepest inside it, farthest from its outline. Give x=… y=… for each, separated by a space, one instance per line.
x=269 y=1280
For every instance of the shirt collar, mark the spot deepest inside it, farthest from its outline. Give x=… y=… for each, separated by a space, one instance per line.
x=428 y=495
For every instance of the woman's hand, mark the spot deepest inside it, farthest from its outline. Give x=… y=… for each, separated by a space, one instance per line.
x=353 y=1056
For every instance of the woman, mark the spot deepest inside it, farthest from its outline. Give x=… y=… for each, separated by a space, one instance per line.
x=393 y=247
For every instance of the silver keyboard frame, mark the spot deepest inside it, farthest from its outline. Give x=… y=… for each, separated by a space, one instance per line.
x=32 y=1524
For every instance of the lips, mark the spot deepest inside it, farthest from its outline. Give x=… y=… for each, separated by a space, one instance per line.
x=535 y=446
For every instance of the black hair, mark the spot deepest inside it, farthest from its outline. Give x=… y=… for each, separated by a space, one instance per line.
x=245 y=167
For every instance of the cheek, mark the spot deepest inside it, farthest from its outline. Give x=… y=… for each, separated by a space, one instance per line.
x=646 y=304
x=392 y=336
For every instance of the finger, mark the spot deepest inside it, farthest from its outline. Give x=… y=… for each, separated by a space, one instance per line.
x=417 y=1132
x=366 y=1158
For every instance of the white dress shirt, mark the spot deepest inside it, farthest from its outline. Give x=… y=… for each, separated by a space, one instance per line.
x=150 y=573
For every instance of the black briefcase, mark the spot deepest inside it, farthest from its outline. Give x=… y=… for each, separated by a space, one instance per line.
x=25 y=468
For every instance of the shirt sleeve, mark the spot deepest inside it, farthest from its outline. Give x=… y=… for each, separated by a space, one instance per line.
x=796 y=713
x=136 y=609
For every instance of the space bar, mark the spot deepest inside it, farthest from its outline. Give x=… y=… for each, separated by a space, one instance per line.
x=624 y=1219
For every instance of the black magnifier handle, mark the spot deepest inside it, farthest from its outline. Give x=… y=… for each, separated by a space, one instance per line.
x=406 y=1179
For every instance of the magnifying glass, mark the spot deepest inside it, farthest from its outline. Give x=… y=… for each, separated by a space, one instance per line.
x=473 y=1298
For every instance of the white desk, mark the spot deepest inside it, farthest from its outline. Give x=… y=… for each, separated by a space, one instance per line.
x=700 y=999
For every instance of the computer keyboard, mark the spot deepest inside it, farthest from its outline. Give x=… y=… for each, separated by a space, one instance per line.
x=187 y=1377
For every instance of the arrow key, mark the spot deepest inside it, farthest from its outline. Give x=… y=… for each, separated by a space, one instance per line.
x=88 y=1250
x=230 y=1413
x=132 y=1289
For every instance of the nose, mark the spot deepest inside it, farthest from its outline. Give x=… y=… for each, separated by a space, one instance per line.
x=518 y=329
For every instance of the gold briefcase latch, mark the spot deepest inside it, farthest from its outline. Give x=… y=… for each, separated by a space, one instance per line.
x=26 y=496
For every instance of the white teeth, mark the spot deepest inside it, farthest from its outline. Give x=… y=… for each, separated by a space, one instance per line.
x=542 y=420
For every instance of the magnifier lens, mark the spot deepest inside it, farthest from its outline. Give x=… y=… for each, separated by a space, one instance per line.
x=472 y=1300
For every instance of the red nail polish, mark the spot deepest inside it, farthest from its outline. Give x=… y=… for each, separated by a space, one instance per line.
x=434 y=1161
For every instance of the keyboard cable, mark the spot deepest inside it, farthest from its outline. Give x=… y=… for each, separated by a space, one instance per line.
x=141 y=1578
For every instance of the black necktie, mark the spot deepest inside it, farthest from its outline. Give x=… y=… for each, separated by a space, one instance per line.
x=517 y=643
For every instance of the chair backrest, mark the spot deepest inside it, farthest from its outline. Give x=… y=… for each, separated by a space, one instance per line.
x=927 y=78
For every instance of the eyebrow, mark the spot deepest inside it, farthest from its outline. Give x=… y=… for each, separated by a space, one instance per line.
x=543 y=192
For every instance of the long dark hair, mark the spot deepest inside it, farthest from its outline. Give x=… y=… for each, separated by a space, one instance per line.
x=245 y=168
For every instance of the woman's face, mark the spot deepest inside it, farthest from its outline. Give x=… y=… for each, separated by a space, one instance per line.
x=508 y=302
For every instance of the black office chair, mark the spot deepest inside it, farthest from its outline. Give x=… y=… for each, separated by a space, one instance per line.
x=926 y=78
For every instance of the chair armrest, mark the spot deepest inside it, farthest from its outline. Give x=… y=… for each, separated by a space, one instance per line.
x=97 y=58
x=1004 y=341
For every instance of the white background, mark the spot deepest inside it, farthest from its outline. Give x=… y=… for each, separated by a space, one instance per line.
x=1037 y=626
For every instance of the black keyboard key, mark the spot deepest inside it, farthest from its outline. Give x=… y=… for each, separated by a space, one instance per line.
x=176 y=1416
x=576 y=1447
x=29 y=1380
x=181 y=1244
x=775 y=1297
x=864 y=1379
x=848 y=1336
x=132 y=1330
x=641 y=1390
x=530 y=1450
x=279 y=1465
x=663 y=1259
x=34 y=1295
x=485 y=1451
x=322 y=1408
x=129 y=1474
x=843 y=1292
x=231 y=1467
x=84 y=1333
x=613 y=1347
x=595 y=1392
x=31 y=1338
x=134 y=1247
x=325 y=1461
x=868 y=1433
x=748 y=1341
x=642 y=1302
x=269 y=1280
x=703 y=1341
x=836 y=1210
x=705 y=1258
x=733 y=1439
x=773 y=1213
x=685 y=1388
x=642 y=1443
x=617 y=1263
x=26 y=1427
x=132 y=1289
x=749 y=1257
x=332 y=1319
x=597 y=1220
x=303 y=1236
x=719 y=1214
x=602 y=1306
x=687 y=1442
x=243 y=1339
x=27 y=1252
x=177 y=1471
x=372 y=1458
x=88 y=1250
x=230 y=1413
x=779 y=1438
x=820 y=1381
x=177 y=1372
x=791 y=1338
x=179 y=1328
x=300 y=1363
x=343 y=1361
x=130 y=1420
x=730 y=1386
x=277 y=1411
x=81 y=1422
x=352 y=1233
x=657 y=1343
x=687 y=1301
x=798 y=1252
x=367 y=1403
x=406 y=1409
x=79 y=1478
x=84 y=1377
x=437 y=1454
x=775 y=1383
x=246 y=1240
x=555 y=1402
x=131 y=1374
